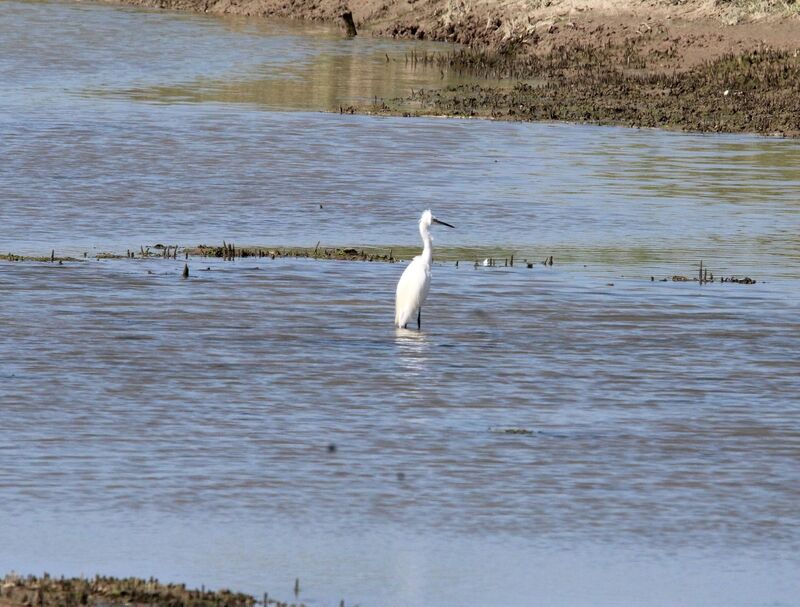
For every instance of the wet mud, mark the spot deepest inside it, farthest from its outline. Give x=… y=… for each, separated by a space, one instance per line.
x=464 y=257
x=754 y=92
x=229 y=251
x=42 y=258
x=33 y=591
x=720 y=67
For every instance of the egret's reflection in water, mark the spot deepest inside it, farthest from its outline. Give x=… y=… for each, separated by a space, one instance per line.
x=413 y=349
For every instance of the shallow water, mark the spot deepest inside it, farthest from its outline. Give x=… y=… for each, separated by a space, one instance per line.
x=198 y=414
x=183 y=428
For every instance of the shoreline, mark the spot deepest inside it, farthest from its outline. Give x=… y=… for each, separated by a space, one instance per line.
x=45 y=591
x=722 y=66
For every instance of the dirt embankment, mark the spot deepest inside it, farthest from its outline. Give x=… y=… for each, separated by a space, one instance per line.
x=708 y=65
x=678 y=33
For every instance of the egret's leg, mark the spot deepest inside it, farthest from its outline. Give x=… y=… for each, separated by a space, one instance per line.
x=419 y=318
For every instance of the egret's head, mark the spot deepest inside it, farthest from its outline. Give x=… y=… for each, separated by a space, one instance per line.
x=427 y=219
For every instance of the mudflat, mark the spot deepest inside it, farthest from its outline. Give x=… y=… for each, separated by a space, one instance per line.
x=720 y=66
x=45 y=591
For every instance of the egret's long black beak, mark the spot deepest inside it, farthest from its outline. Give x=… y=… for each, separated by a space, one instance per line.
x=434 y=220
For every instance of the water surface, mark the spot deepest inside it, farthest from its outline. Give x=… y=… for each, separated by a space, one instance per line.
x=566 y=435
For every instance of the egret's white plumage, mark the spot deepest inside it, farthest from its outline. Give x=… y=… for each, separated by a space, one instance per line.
x=414 y=284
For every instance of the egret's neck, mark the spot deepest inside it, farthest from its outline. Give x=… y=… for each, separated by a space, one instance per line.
x=427 y=246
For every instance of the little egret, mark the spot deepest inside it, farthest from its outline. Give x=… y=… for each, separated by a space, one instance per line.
x=412 y=288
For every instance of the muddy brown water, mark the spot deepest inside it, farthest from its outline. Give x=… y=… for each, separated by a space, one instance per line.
x=566 y=435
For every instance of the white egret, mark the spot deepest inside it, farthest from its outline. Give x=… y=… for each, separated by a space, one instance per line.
x=413 y=286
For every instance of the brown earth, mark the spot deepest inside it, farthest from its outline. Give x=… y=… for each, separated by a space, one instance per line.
x=686 y=32
x=32 y=591
x=756 y=91
x=664 y=63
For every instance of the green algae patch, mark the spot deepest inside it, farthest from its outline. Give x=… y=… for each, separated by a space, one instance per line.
x=52 y=258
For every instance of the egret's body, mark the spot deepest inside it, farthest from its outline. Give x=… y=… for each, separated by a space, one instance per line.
x=412 y=289
x=414 y=284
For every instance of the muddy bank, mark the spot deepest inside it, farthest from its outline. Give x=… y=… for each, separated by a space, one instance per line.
x=465 y=257
x=723 y=66
x=757 y=92
x=688 y=31
x=32 y=591
x=229 y=251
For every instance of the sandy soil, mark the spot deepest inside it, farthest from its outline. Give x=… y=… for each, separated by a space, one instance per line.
x=681 y=33
x=677 y=35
